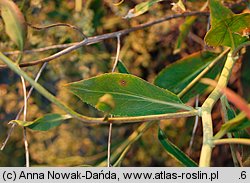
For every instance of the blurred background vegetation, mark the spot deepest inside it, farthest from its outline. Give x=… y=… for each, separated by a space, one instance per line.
x=144 y=52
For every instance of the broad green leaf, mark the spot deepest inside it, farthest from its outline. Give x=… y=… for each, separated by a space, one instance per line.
x=184 y=30
x=14 y=21
x=141 y=8
x=174 y=151
x=44 y=123
x=218 y=12
x=132 y=96
x=122 y=68
x=238 y=123
x=227 y=28
x=178 y=75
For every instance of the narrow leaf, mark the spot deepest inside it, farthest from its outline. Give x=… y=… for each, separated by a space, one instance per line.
x=14 y=21
x=141 y=8
x=44 y=123
x=178 y=75
x=132 y=96
x=238 y=123
x=122 y=68
x=229 y=110
x=184 y=30
x=174 y=151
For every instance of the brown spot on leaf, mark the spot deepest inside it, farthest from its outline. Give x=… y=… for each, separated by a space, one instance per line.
x=122 y=82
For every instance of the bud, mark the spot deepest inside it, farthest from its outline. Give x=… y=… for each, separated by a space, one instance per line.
x=105 y=103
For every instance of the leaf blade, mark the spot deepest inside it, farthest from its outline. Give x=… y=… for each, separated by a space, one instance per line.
x=184 y=29
x=141 y=8
x=129 y=93
x=15 y=25
x=44 y=123
x=178 y=75
x=174 y=151
x=238 y=123
x=122 y=68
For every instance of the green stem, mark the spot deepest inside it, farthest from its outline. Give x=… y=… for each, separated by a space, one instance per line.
x=207 y=107
x=14 y=67
x=232 y=141
x=122 y=156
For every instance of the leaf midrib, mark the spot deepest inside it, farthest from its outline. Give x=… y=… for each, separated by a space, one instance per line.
x=180 y=106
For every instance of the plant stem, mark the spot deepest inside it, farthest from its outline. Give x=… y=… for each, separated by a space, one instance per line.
x=22 y=108
x=194 y=128
x=26 y=144
x=232 y=141
x=117 y=52
x=122 y=156
x=99 y=38
x=207 y=107
x=118 y=120
x=109 y=145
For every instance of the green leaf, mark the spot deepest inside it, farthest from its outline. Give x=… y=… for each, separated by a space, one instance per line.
x=14 y=21
x=44 y=123
x=178 y=75
x=132 y=95
x=218 y=12
x=122 y=68
x=238 y=123
x=174 y=151
x=141 y=8
x=227 y=28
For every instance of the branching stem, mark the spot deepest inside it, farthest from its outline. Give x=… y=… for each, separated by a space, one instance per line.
x=207 y=107
x=96 y=39
x=232 y=141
